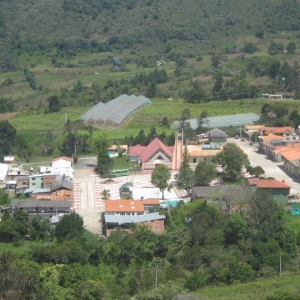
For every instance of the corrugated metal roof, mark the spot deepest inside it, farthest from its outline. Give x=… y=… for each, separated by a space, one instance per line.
x=42 y=204
x=133 y=219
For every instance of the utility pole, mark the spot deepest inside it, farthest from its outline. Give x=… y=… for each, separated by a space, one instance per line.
x=280 y=264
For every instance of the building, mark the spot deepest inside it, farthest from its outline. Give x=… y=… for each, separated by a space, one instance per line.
x=291 y=161
x=286 y=131
x=129 y=207
x=214 y=138
x=280 y=190
x=196 y=154
x=45 y=208
x=9 y=160
x=121 y=214
x=155 y=221
x=155 y=154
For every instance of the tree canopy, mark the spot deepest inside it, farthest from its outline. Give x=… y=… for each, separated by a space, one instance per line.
x=160 y=177
x=232 y=159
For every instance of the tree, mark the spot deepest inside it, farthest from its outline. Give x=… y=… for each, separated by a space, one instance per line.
x=294 y=118
x=186 y=174
x=54 y=104
x=201 y=121
x=218 y=82
x=215 y=60
x=291 y=47
x=264 y=214
x=104 y=161
x=235 y=229
x=165 y=122
x=258 y=171
x=205 y=172
x=273 y=68
x=70 y=226
x=160 y=177
x=232 y=159
x=4 y=198
x=250 y=48
x=8 y=137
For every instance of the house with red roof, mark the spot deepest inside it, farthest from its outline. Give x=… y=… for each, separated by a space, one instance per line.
x=285 y=131
x=279 y=189
x=122 y=214
x=291 y=161
x=156 y=153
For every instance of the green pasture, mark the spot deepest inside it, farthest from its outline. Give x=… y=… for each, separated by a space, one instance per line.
x=258 y=290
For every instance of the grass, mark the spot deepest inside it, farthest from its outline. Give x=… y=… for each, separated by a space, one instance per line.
x=18 y=250
x=258 y=290
x=122 y=163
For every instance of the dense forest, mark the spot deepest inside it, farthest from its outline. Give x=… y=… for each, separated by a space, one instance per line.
x=202 y=246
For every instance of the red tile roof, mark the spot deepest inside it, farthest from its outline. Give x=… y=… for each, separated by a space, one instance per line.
x=153 y=147
x=269 y=183
x=124 y=206
x=278 y=130
x=128 y=205
x=291 y=155
x=272 y=137
x=136 y=150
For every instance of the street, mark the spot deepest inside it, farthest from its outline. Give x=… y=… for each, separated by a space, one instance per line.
x=271 y=168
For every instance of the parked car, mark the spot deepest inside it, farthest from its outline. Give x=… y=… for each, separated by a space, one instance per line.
x=237 y=137
x=242 y=139
x=251 y=143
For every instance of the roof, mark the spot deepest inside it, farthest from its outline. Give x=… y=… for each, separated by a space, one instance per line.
x=211 y=191
x=225 y=121
x=39 y=191
x=205 y=191
x=133 y=219
x=216 y=132
x=62 y=158
x=9 y=158
x=276 y=129
x=291 y=155
x=3 y=171
x=136 y=150
x=153 y=147
x=41 y=204
x=22 y=177
x=269 y=183
x=124 y=206
x=195 y=150
x=272 y=137
x=252 y=127
x=65 y=184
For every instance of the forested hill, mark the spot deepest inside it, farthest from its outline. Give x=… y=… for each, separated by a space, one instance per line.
x=188 y=25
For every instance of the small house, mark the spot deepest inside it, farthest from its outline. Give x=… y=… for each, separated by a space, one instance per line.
x=279 y=189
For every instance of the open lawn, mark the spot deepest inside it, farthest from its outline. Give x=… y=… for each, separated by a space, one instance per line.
x=258 y=290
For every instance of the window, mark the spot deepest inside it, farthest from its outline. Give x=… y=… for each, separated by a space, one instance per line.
x=33 y=178
x=33 y=183
x=122 y=214
x=204 y=158
x=194 y=160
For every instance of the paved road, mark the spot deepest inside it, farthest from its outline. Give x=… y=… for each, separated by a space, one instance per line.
x=87 y=202
x=272 y=169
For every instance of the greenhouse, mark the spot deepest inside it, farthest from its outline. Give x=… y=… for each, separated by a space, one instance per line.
x=114 y=112
x=225 y=121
